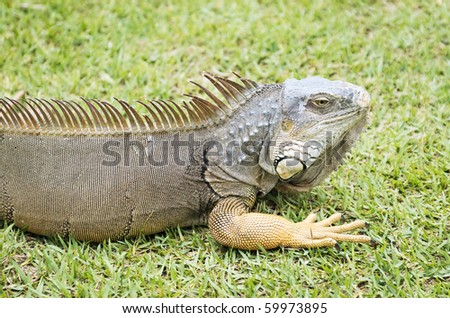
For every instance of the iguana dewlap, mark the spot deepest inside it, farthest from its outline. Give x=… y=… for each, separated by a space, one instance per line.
x=94 y=171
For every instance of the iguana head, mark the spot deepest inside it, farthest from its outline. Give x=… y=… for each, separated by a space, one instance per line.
x=320 y=121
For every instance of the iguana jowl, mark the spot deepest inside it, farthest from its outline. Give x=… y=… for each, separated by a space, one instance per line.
x=95 y=172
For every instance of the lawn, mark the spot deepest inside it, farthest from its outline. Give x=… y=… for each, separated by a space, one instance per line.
x=397 y=177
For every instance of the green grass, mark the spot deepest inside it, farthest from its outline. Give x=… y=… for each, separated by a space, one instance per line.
x=397 y=177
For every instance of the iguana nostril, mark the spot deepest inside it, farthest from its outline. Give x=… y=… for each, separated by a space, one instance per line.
x=364 y=99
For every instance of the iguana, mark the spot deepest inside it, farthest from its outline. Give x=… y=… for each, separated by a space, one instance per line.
x=95 y=171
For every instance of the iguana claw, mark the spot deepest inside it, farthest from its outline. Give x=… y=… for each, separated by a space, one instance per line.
x=320 y=234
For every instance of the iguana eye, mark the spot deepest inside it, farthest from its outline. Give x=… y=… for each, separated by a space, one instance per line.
x=321 y=101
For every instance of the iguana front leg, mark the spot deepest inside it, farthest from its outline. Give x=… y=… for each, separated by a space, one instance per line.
x=232 y=225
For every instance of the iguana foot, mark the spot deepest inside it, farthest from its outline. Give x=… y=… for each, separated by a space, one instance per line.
x=310 y=233
x=232 y=225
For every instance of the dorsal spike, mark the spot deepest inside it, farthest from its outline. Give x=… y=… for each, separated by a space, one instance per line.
x=154 y=119
x=173 y=111
x=181 y=112
x=15 y=115
x=52 y=122
x=233 y=85
x=37 y=113
x=60 y=123
x=67 y=118
x=122 y=123
x=218 y=102
x=108 y=116
x=78 y=116
x=171 y=119
x=137 y=118
x=234 y=89
x=153 y=111
x=7 y=116
x=203 y=104
x=194 y=118
x=28 y=117
x=42 y=112
x=162 y=114
x=74 y=113
x=249 y=84
x=3 y=119
x=21 y=115
x=225 y=93
x=97 y=118
x=133 y=123
x=86 y=118
x=201 y=113
x=148 y=121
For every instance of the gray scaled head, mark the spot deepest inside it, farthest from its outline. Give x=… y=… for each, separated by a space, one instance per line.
x=320 y=121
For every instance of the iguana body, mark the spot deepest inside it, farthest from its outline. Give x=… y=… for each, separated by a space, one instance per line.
x=96 y=174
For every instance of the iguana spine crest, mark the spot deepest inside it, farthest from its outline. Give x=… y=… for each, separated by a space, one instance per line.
x=68 y=118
